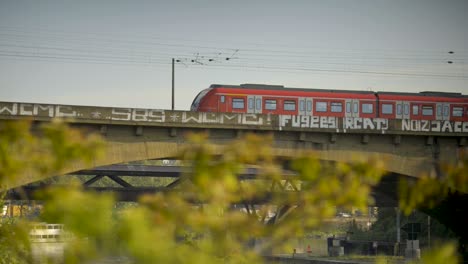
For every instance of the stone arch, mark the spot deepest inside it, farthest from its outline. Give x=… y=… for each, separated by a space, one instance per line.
x=121 y=152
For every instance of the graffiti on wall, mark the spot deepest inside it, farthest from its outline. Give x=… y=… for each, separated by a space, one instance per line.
x=150 y=115
x=24 y=109
x=329 y=122
x=131 y=114
x=434 y=126
x=280 y=122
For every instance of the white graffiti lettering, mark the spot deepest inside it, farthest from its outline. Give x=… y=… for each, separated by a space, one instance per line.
x=191 y=117
x=309 y=121
x=210 y=118
x=123 y=114
x=381 y=123
x=13 y=110
x=228 y=117
x=252 y=119
x=443 y=126
x=156 y=116
x=284 y=120
x=281 y=122
x=447 y=127
x=25 y=112
x=59 y=111
x=365 y=123
x=46 y=108
x=315 y=122
x=29 y=109
x=138 y=115
x=26 y=109
x=457 y=127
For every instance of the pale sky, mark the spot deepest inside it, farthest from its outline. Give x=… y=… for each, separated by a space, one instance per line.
x=118 y=53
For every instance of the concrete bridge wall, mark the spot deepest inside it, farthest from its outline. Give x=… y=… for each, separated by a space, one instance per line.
x=409 y=147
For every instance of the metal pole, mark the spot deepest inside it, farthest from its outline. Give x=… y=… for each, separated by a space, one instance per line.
x=429 y=230
x=398 y=224
x=173 y=83
x=396 y=249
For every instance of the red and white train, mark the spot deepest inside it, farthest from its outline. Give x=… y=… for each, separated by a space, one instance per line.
x=274 y=99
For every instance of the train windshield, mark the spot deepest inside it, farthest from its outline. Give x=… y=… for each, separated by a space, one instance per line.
x=196 y=101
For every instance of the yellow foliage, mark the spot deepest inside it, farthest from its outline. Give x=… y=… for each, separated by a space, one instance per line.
x=199 y=221
x=428 y=191
x=28 y=153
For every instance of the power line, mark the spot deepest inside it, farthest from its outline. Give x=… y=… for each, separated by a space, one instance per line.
x=210 y=58
x=111 y=51
x=289 y=69
x=146 y=37
x=288 y=52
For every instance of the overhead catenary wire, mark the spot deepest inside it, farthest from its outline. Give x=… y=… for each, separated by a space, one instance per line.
x=147 y=39
x=103 y=38
x=71 y=48
x=133 y=61
x=73 y=39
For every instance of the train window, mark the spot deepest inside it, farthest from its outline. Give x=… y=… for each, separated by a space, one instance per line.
x=251 y=103
x=387 y=109
x=427 y=110
x=367 y=108
x=415 y=110
x=355 y=107
x=258 y=104
x=320 y=107
x=446 y=110
x=290 y=105
x=222 y=98
x=439 y=110
x=238 y=103
x=348 y=107
x=301 y=105
x=406 y=109
x=399 y=109
x=270 y=104
x=309 y=106
x=336 y=107
x=457 y=111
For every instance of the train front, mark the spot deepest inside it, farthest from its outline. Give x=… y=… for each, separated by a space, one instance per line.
x=197 y=104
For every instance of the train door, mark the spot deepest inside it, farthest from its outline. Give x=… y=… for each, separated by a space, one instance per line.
x=352 y=108
x=305 y=106
x=442 y=111
x=402 y=110
x=254 y=104
x=222 y=105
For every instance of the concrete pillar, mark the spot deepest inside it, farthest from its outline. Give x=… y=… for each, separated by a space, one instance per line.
x=336 y=249
x=412 y=250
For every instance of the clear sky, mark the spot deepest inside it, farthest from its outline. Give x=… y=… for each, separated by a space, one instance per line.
x=118 y=53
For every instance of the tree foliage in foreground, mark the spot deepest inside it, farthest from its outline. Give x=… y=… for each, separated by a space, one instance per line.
x=198 y=221
x=27 y=156
x=428 y=191
x=28 y=153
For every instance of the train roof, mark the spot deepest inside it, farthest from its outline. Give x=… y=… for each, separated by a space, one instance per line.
x=428 y=93
x=281 y=87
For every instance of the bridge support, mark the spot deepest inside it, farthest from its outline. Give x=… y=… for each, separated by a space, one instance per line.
x=412 y=250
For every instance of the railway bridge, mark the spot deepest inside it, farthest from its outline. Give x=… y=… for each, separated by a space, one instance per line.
x=410 y=147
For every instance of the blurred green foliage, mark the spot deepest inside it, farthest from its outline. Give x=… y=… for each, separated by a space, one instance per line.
x=428 y=191
x=29 y=152
x=199 y=220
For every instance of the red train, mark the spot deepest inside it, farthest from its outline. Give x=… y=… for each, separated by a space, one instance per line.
x=275 y=99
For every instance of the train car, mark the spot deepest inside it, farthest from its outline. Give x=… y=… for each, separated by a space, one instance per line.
x=423 y=106
x=274 y=99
